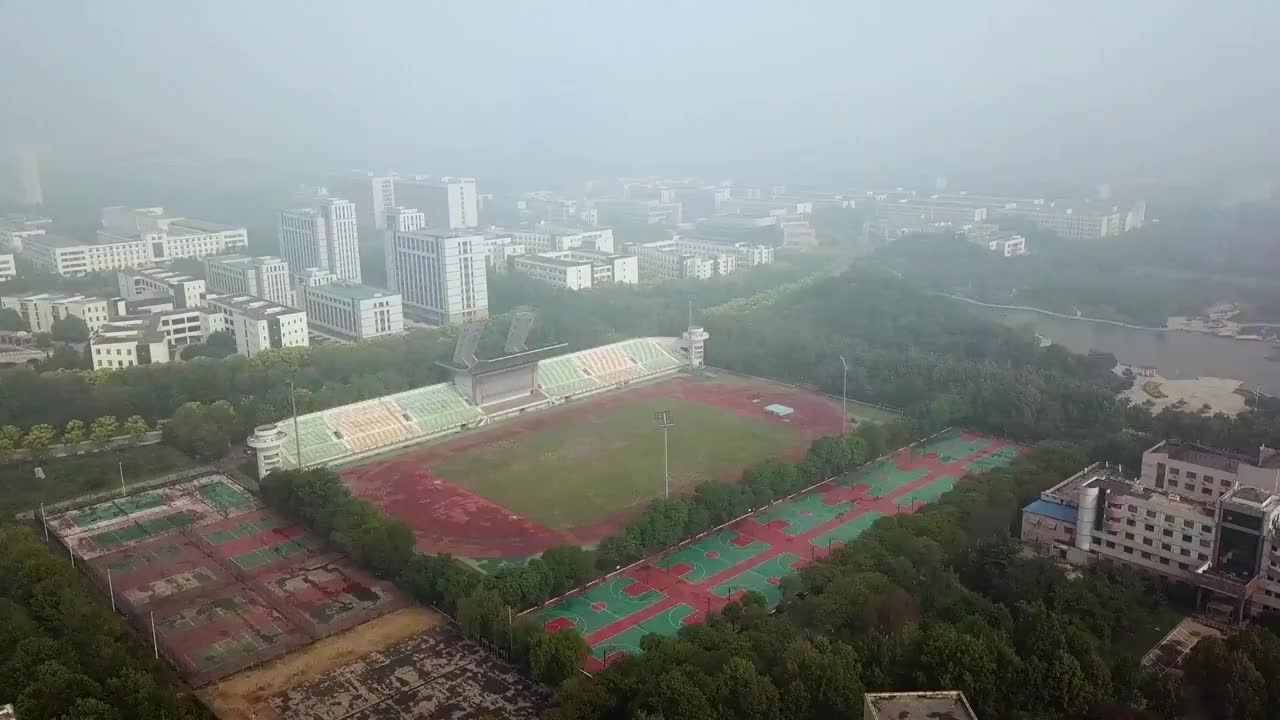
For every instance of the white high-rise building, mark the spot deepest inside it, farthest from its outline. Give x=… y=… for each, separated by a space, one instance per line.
x=372 y=194
x=7 y=267
x=26 y=166
x=258 y=324
x=440 y=276
x=264 y=277
x=448 y=202
x=322 y=236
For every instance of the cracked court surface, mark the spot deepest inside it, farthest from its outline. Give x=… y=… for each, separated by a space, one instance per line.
x=680 y=586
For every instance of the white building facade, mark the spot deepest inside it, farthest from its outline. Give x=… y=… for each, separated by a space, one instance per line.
x=41 y=310
x=447 y=202
x=266 y=277
x=186 y=291
x=8 y=269
x=353 y=312
x=325 y=236
x=550 y=237
x=440 y=276
x=372 y=194
x=258 y=324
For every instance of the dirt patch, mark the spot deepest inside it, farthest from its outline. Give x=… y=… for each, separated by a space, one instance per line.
x=246 y=695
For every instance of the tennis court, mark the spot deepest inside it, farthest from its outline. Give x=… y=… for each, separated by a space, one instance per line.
x=140 y=530
x=253 y=527
x=224 y=498
x=274 y=553
x=758 y=552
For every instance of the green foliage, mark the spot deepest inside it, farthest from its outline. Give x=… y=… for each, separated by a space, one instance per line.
x=69 y=329
x=218 y=345
x=202 y=431
x=11 y=320
x=104 y=429
x=39 y=438
x=556 y=656
x=63 y=654
x=74 y=432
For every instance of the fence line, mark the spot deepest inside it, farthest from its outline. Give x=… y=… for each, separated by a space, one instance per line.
x=809 y=388
x=659 y=553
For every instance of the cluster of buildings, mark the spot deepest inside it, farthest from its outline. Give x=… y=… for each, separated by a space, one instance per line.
x=903 y=212
x=1196 y=515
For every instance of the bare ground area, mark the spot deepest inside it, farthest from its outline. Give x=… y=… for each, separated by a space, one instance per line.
x=246 y=695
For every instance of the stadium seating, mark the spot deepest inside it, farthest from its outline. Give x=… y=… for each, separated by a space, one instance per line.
x=608 y=364
x=650 y=355
x=433 y=408
x=560 y=377
x=369 y=425
x=319 y=444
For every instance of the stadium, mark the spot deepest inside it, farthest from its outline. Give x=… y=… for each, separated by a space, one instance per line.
x=537 y=448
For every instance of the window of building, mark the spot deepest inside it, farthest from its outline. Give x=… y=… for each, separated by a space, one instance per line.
x=1146 y=556
x=1111 y=544
x=1183 y=566
x=1189 y=523
x=1148 y=541
x=1128 y=549
x=1202 y=556
x=1149 y=528
x=1173 y=484
x=1191 y=475
x=1167 y=532
x=1164 y=561
x=1128 y=536
x=1206 y=490
x=1185 y=552
x=1133 y=508
x=1175 y=472
x=1166 y=546
x=1131 y=523
x=1186 y=538
x=1151 y=513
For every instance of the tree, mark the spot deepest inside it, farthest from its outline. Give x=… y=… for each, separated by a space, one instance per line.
x=218 y=345
x=10 y=439
x=69 y=329
x=136 y=428
x=65 y=357
x=39 y=438
x=202 y=431
x=74 y=433
x=104 y=430
x=570 y=567
x=11 y=320
x=556 y=656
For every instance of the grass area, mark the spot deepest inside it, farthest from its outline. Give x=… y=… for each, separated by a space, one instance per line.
x=65 y=478
x=862 y=412
x=598 y=464
x=1151 y=631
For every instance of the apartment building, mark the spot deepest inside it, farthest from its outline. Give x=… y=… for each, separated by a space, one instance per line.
x=258 y=324
x=352 y=312
x=440 y=275
x=553 y=237
x=373 y=194
x=40 y=310
x=149 y=338
x=324 y=235
x=447 y=202
x=15 y=227
x=1212 y=525
x=187 y=291
x=266 y=277
x=8 y=269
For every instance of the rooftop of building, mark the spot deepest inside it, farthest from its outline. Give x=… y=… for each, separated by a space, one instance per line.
x=252 y=306
x=237 y=259
x=1111 y=478
x=191 y=226
x=139 y=328
x=1249 y=495
x=1211 y=457
x=552 y=260
x=353 y=291
x=61 y=297
x=58 y=241
x=169 y=277
x=936 y=705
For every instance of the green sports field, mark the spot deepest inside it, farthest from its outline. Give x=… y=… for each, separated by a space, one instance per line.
x=595 y=464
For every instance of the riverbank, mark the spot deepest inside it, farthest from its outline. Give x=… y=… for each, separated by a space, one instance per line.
x=1049 y=313
x=1210 y=394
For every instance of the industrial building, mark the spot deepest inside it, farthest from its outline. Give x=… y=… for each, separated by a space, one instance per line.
x=1195 y=514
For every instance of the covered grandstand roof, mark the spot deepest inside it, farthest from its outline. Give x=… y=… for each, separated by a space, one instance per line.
x=507 y=361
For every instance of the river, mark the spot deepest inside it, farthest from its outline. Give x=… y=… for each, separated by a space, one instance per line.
x=1176 y=355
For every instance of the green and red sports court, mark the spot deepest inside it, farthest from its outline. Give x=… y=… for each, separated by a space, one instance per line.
x=702 y=575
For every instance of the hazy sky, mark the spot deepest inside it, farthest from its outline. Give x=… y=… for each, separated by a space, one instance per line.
x=523 y=87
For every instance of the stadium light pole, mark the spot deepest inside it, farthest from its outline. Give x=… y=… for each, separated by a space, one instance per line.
x=844 y=394
x=663 y=418
x=297 y=437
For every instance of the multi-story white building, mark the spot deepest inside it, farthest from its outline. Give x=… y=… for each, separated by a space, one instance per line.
x=1083 y=221
x=169 y=238
x=64 y=256
x=550 y=237
x=447 y=202
x=669 y=260
x=14 y=227
x=579 y=269
x=150 y=338
x=353 y=312
x=40 y=310
x=265 y=277
x=186 y=291
x=7 y=267
x=371 y=193
x=258 y=324
x=500 y=248
x=440 y=276
x=1197 y=515
x=324 y=236
x=746 y=254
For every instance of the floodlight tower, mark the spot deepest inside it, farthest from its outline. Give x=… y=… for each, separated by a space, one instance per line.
x=844 y=395
x=663 y=418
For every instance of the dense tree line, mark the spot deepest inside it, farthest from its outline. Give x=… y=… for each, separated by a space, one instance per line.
x=65 y=656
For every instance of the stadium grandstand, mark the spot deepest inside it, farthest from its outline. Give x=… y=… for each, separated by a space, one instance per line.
x=350 y=432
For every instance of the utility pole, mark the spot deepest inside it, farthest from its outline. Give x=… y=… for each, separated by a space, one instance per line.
x=844 y=394
x=123 y=491
x=111 y=590
x=297 y=437
x=45 y=520
x=663 y=418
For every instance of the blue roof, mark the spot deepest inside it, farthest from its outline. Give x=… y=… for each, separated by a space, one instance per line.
x=1053 y=510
